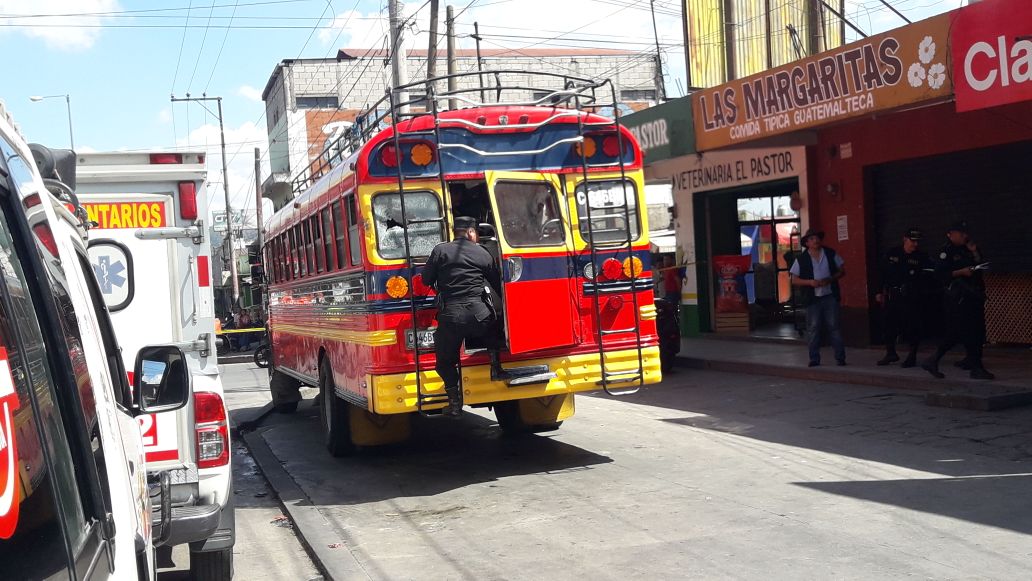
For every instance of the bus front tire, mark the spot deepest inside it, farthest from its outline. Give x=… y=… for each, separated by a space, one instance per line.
x=335 y=416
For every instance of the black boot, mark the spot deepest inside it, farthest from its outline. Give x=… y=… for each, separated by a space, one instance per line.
x=981 y=373
x=932 y=366
x=498 y=373
x=964 y=364
x=890 y=357
x=454 y=407
x=910 y=361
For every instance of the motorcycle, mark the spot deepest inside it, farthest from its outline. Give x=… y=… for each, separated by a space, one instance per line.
x=263 y=352
x=668 y=327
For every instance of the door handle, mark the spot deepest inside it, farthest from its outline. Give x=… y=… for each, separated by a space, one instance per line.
x=515 y=264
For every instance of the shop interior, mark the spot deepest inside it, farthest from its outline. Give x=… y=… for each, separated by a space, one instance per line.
x=757 y=221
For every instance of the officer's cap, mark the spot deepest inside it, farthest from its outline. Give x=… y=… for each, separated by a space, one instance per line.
x=913 y=234
x=810 y=234
x=960 y=226
x=464 y=223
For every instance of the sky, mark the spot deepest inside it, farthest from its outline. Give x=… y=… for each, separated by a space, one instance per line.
x=121 y=60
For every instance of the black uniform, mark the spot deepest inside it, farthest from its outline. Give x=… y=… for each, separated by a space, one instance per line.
x=963 y=305
x=904 y=278
x=465 y=276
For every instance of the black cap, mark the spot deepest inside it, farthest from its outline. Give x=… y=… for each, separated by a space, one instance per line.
x=914 y=234
x=465 y=223
x=811 y=233
x=960 y=226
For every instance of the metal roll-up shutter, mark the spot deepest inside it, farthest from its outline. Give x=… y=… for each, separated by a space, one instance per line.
x=990 y=188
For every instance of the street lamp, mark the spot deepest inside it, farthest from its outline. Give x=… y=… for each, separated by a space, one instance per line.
x=68 y=103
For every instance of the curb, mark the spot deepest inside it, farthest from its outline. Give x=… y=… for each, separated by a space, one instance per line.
x=939 y=392
x=315 y=532
x=252 y=424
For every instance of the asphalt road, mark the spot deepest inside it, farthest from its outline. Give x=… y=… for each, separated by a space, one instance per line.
x=266 y=547
x=709 y=475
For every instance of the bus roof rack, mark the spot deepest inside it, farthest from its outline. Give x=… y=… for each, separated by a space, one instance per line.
x=510 y=89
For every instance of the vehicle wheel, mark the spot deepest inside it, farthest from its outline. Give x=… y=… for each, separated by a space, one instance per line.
x=212 y=565
x=286 y=392
x=261 y=357
x=335 y=416
x=511 y=422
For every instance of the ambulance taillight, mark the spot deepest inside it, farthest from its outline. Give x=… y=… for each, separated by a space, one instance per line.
x=212 y=431
x=188 y=200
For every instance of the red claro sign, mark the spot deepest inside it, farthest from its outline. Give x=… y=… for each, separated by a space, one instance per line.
x=9 y=497
x=992 y=54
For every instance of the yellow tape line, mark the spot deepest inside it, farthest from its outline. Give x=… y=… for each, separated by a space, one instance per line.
x=229 y=331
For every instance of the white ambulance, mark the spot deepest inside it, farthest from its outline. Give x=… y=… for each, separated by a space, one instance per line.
x=150 y=250
x=74 y=495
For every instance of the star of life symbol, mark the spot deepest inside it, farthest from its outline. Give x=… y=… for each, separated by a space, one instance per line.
x=109 y=274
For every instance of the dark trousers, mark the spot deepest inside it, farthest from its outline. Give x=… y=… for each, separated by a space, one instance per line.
x=456 y=322
x=902 y=319
x=824 y=312
x=965 y=324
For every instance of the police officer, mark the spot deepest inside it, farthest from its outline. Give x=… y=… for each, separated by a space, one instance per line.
x=467 y=280
x=903 y=275
x=964 y=303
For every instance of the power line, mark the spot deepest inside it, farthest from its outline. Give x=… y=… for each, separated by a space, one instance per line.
x=182 y=43
x=218 y=57
x=200 y=51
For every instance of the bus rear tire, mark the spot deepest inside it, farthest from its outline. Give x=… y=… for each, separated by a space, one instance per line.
x=286 y=392
x=512 y=421
x=335 y=416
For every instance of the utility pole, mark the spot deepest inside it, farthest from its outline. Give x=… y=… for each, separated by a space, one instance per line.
x=431 y=52
x=258 y=197
x=480 y=63
x=399 y=70
x=449 y=28
x=225 y=190
x=660 y=88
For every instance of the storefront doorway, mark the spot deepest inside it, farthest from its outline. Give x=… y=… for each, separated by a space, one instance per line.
x=755 y=221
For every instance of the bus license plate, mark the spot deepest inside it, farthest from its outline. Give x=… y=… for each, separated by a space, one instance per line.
x=426 y=338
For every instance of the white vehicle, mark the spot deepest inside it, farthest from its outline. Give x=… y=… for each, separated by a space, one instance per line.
x=150 y=250
x=74 y=496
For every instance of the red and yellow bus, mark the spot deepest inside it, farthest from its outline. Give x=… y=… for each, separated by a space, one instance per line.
x=558 y=190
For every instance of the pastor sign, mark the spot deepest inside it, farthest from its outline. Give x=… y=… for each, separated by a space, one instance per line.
x=896 y=68
x=991 y=44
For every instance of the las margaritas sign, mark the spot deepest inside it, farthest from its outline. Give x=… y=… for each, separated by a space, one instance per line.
x=900 y=67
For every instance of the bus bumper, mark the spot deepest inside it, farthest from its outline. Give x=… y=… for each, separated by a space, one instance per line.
x=396 y=393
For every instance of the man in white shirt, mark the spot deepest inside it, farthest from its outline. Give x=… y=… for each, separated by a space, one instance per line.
x=816 y=271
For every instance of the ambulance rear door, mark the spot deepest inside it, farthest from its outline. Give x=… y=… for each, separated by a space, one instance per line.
x=139 y=280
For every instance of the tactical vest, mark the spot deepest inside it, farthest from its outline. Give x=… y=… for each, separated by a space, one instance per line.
x=808 y=294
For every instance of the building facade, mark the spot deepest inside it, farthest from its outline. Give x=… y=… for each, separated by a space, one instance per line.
x=311 y=102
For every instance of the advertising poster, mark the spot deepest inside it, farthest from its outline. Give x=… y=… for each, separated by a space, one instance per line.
x=730 y=271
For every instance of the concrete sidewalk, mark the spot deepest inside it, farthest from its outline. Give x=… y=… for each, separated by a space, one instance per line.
x=1012 y=386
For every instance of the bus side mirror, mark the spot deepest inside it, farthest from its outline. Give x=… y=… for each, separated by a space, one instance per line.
x=161 y=379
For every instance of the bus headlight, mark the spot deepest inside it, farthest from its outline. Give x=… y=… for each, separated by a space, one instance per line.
x=397 y=287
x=589 y=271
x=611 y=269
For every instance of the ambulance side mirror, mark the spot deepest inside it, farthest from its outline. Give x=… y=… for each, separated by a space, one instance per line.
x=161 y=379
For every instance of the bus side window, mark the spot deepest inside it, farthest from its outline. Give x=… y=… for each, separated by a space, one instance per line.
x=354 y=242
x=299 y=253
x=340 y=234
x=309 y=246
x=327 y=232
x=317 y=244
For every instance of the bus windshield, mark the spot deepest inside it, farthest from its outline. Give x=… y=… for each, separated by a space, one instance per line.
x=422 y=236
x=608 y=220
x=528 y=213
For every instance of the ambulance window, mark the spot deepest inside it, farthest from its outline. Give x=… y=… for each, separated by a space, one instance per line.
x=73 y=427
x=32 y=539
x=341 y=234
x=112 y=352
x=327 y=230
x=354 y=243
x=317 y=237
